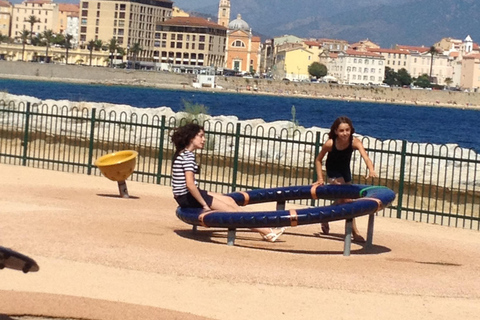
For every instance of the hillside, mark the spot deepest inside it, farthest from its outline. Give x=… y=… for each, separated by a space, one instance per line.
x=421 y=22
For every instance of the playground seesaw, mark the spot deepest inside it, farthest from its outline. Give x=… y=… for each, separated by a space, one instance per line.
x=366 y=200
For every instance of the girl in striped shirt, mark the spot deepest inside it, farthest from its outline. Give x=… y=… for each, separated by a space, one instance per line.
x=186 y=192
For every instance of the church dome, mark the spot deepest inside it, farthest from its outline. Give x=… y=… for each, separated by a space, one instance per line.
x=238 y=24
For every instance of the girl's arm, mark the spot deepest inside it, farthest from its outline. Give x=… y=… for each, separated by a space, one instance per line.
x=327 y=147
x=357 y=144
x=192 y=188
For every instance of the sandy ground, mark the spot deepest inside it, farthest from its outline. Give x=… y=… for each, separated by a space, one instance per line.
x=104 y=257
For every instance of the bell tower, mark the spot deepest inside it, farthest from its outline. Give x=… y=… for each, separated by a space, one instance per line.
x=224 y=13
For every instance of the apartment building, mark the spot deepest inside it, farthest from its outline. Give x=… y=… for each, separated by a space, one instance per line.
x=470 y=77
x=127 y=21
x=394 y=59
x=5 y=17
x=315 y=47
x=356 y=67
x=45 y=11
x=333 y=45
x=293 y=63
x=188 y=44
x=73 y=28
x=65 y=10
x=420 y=61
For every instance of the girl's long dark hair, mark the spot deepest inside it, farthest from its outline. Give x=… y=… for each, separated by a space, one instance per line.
x=337 y=123
x=182 y=136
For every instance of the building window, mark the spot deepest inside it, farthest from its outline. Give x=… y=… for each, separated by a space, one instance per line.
x=201 y=46
x=172 y=44
x=172 y=36
x=180 y=37
x=201 y=38
x=84 y=13
x=179 y=45
x=238 y=43
x=380 y=62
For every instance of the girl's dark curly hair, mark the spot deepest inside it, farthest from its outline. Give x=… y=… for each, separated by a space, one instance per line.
x=182 y=136
x=337 y=123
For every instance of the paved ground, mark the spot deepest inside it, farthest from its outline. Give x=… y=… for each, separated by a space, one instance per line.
x=103 y=257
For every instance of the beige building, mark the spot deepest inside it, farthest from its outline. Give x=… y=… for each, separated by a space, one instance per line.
x=177 y=12
x=129 y=22
x=189 y=44
x=470 y=76
x=421 y=60
x=355 y=67
x=65 y=10
x=315 y=47
x=16 y=52
x=5 y=17
x=394 y=59
x=333 y=45
x=45 y=11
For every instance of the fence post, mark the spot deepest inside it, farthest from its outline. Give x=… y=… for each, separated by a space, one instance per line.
x=401 y=179
x=160 y=149
x=235 y=158
x=90 y=145
x=317 y=151
x=25 y=135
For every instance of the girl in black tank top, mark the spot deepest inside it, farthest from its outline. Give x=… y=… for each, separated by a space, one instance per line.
x=339 y=148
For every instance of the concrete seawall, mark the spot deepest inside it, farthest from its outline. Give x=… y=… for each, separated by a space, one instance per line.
x=86 y=74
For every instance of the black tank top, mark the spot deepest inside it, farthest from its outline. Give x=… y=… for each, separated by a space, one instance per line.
x=338 y=161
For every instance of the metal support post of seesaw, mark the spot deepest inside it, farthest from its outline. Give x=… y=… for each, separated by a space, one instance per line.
x=371 y=221
x=348 y=237
x=231 y=236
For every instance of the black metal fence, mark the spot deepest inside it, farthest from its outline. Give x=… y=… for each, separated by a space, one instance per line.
x=434 y=183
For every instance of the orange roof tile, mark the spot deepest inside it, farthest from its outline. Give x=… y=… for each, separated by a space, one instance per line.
x=70 y=7
x=191 y=21
x=381 y=50
x=472 y=56
x=313 y=43
x=413 y=48
x=5 y=3
x=362 y=53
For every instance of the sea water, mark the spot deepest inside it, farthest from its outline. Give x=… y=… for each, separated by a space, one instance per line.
x=437 y=125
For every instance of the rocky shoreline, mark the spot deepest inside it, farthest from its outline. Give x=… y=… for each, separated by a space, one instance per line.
x=236 y=85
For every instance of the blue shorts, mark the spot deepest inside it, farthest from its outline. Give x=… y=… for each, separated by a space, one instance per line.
x=189 y=201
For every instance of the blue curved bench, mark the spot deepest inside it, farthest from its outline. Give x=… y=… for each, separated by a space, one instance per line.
x=365 y=200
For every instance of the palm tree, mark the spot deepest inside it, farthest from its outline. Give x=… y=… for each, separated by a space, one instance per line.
x=32 y=20
x=432 y=51
x=91 y=46
x=24 y=36
x=112 y=47
x=68 y=45
x=135 y=50
x=48 y=37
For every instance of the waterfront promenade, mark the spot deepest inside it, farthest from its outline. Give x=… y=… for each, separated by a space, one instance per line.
x=109 y=76
x=103 y=257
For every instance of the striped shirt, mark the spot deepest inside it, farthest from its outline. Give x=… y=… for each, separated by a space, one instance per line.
x=185 y=161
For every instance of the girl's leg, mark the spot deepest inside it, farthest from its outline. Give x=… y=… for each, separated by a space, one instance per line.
x=224 y=203
x=325 y=225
